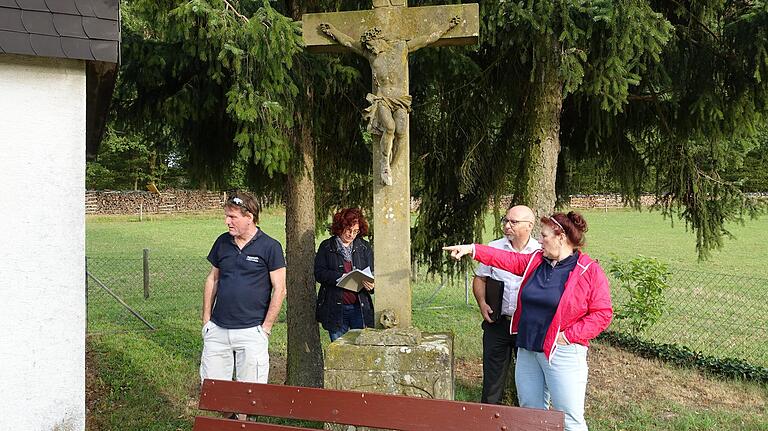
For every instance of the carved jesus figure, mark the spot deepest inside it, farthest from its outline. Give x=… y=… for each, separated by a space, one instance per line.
x=390 y=102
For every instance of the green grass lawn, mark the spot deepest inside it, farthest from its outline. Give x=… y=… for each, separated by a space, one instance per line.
x=146 y=380
x=184 y=235
x=623 y=233
x=718 y=306
x=626 y=233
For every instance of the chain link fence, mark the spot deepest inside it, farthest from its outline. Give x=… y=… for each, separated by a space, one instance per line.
x=717 y=314
x=161 y=290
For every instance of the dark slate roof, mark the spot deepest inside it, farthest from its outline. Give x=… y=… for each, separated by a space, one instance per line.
x=77 y=29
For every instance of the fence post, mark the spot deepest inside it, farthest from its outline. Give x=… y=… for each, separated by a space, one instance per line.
x=466 y=287
x=146 y=273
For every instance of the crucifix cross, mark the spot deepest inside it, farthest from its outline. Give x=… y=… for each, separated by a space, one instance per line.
x=385 y=36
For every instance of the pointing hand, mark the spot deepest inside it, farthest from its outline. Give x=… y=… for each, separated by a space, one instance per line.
x=459 y=251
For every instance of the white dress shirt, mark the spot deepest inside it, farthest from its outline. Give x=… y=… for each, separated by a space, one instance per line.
x=511 y=281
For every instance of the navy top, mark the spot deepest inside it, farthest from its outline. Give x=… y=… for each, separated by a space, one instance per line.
x=539 y=299
x=244 y=289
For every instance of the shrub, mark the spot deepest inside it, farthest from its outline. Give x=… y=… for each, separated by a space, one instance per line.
x=645 y=280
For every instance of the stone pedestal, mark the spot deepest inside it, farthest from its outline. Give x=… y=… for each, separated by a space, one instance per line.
x=392 y=361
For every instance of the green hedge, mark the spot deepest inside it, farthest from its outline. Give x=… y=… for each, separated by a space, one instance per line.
x=684 y=357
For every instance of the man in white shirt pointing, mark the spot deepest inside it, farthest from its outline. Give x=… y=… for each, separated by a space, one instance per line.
x=498 y=342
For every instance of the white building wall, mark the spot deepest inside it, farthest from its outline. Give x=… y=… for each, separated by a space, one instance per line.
x=42 y=244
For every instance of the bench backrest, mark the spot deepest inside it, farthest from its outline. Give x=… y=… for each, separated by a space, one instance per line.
x=362 y=409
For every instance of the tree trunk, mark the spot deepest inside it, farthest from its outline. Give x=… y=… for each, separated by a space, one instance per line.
x=305 y=355
x=540 y=157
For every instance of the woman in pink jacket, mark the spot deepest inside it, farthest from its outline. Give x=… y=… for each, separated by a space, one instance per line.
x=564 y=301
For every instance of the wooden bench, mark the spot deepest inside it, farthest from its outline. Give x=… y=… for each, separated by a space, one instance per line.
x=360 y=409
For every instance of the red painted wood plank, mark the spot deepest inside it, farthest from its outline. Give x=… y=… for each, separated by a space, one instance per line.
x=372 y=410
x=203 y=423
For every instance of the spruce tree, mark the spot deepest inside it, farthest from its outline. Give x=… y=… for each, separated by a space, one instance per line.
x=230 y=82
x=660 y=93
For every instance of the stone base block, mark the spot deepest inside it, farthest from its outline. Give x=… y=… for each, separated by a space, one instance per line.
x=421 y=370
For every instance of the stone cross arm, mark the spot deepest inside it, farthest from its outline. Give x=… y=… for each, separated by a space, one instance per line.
x=402 y=23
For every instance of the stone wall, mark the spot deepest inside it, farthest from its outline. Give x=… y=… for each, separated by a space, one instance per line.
x=607 y=201
x=615 y=201
x=577 y=201
x=175 y=201
x=166 y=202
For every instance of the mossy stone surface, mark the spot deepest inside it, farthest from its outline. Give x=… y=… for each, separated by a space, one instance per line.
x=422 y=370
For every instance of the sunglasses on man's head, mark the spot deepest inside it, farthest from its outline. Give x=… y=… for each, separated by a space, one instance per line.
x=239 y=202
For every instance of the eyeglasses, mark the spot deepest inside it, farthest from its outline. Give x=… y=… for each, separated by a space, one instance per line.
x=513 y=222
x=239 y=202
x=352 y=231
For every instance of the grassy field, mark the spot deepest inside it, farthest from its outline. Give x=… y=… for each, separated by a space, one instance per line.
x=623 y=233
x=147 y=379
x=718 y=306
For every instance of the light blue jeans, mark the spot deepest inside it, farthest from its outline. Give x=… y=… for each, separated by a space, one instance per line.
x=564 y=379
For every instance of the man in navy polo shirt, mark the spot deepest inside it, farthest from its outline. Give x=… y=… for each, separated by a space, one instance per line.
x=242 y=297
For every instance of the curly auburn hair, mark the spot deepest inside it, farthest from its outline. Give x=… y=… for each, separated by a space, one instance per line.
x=347 y=218
x=572 y=225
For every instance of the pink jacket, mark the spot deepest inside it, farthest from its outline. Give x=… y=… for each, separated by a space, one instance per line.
x=585 y=308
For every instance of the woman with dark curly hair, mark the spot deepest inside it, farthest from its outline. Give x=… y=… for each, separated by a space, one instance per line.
x=340 y=310
x=564 y=301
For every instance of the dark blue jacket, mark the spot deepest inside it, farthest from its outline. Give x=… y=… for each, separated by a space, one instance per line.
x=329 y=266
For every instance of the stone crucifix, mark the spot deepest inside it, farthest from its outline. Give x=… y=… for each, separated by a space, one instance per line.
x=385 y=36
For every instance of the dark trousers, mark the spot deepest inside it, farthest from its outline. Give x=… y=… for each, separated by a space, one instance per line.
x=498 y=356
x=353 y=319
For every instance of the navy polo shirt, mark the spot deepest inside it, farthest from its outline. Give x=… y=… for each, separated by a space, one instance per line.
x=539 y=299
x=244 y=289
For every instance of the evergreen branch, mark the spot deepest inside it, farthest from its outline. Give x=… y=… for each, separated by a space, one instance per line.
x=681 y=152
x=657 y=107
x=724 y=56
x=695 y=19
x=716 y=180
x=472 y=81
x=653 y=97
x=237 y=14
